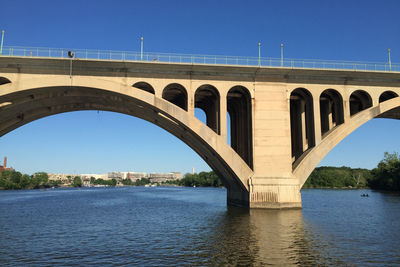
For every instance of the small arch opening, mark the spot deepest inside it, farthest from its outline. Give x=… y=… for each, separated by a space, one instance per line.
x=387 y=95
x=331 y=110
x=301 y=122
x=207 y=98
x=240 y=115
x=4 y=80
x=144 y=86
x=359 y=100
x=176 y=94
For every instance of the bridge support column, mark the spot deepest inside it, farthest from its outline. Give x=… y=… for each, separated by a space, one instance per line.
x=274 y=193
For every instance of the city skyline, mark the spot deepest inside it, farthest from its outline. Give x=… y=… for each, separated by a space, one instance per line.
x=94 y=141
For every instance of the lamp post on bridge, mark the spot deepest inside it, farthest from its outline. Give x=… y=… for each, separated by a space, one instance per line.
x=141 y=48
x=2 y=39
x=71 y=55
x=390 y=63
x=259 y=53
x=281 y=55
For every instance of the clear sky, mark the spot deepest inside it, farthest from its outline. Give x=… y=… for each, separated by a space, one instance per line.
x=98 y=142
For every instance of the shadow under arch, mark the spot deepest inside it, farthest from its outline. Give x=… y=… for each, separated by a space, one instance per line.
x=176 y=94
x=331 y=110
x=301 y=123
x=239 y=107
x=207 y=98
x=388 y=109
x=145 y=87
x=4 y=80
x=359 y=100
x=387 y=95
x=38 y=102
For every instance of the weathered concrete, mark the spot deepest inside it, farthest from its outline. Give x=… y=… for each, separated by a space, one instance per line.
x=283 y=121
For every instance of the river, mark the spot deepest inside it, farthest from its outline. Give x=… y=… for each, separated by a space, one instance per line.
x=193 y=226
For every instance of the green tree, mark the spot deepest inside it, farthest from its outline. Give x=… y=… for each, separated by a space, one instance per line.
x=10 y=180
x=40 y=179
x=77 y=182
x=386 y=175
x=25 y=181
x=339 y=177
x=142 y=181
x=200 y=179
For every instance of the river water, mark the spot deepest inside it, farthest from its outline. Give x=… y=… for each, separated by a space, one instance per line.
x=193 y=226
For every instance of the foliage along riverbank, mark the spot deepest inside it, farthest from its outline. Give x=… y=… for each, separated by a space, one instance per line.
x=338 y=177
x=202 y=179
x=386 y=176
x=16 y=180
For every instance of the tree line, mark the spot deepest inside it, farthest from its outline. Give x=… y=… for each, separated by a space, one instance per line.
x=338 y=177
x=17 y=180
x=202 y=179
x=386 y=176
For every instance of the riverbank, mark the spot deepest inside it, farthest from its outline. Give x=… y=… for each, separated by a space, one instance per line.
x=385 y=177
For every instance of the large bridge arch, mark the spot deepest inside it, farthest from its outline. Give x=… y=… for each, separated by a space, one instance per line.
x=387 y=109
x=32 y=99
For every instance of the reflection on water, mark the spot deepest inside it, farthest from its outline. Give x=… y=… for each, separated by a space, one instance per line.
x=280 y=237
x=187 y=226
x=261 y=237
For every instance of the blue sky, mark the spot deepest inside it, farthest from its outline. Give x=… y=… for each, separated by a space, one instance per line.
x=98 y=142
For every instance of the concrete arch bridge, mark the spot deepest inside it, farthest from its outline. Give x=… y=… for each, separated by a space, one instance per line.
x=283 y=120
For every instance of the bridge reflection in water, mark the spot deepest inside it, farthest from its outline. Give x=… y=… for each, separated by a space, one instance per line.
x=261 y=237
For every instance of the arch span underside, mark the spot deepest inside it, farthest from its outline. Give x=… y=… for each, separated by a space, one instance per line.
x=29 y=104
x=390 y=108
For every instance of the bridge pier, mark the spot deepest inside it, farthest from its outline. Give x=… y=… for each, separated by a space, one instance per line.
x=274 y=193
x=237 y=197
x=267 y=193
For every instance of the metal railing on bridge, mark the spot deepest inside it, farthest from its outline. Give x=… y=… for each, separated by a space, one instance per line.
x=198 y=59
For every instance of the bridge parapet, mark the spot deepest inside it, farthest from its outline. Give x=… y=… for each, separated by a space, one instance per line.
x=97 y=54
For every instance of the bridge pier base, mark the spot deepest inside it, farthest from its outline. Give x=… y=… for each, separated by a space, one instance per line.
x=238 y=197
x=274 y=193
x=267 y=193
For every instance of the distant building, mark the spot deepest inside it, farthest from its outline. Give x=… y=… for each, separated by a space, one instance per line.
x=115 y=175
x=63 y=178
x=88 y=176
x=163 y=177
x=67 y=179
x=133 y=176
x=4 y=167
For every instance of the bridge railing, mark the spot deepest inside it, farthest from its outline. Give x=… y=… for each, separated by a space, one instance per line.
x=198 y=59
